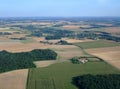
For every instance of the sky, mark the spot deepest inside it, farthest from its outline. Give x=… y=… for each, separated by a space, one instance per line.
x=59 y=8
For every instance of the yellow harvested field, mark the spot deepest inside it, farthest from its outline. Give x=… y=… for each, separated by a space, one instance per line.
x=21 y=47
x=4 y=38
x=6 y=41
x=14 y=80
x=67 y=51
x=112 y=29
x=109 y=54
x=7 y=30
x=71 y=27
x=38 y=39
x=77 y=41
x=105 y=24
x=16 y=35
x=104 y=49
x=41 y=23
x=44 y=63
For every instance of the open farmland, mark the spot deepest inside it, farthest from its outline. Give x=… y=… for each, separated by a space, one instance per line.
x=67 y=51
x=97 y=44
x=8 y=30
x=64 y=52
x=75 y=27
x=60 y=75
x=112 y=29
x=44 y=63
x=76 y=40
x=109 y=54
x=71 y=27
x=14 y=80
x=80 y=46
x=21 y=47
x=115 y=31
x=38 y=39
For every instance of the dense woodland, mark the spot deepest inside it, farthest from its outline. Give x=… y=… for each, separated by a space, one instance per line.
x=97 y=35
x=52 y=33
x=58 y=33
x=5 y=33
x=36 y=31
x=111 y=81
x=11 y=61
x=62 y=42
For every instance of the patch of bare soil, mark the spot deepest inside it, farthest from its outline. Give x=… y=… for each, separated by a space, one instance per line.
x=112 y=29
x=44 y=63
x=67 y=51
x=38 y=39
x=14 y=80
x=76 y=40
x=19 y=47
x=71 y=27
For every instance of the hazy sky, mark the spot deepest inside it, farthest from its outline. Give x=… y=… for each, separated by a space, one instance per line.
x=59 y=8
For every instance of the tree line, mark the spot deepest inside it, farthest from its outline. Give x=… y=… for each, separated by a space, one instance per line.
x=94 y=36
x=12 y=61
x=110 y=81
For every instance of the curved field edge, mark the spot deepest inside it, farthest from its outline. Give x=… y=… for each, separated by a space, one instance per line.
x=108 y=81
x=97 y=44
x=108 y=54
x=62 y=74
x=12 y=61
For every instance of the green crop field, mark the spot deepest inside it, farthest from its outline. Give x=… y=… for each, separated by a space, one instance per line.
x=59 y=76
x=97 y=44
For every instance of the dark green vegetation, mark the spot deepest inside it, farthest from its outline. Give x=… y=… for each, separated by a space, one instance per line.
x=62 y=42
x=78 y=60
x=75 y=61
x=111 y=81
x=97 y=35
x=55 y=28
x=12 y=61
x=52 y=37
x=60 y=75
x=4 y=33
x=52 y=33
x=97 y=44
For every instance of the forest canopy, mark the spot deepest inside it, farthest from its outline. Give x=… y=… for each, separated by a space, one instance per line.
x=111 y=81
x=12 y=61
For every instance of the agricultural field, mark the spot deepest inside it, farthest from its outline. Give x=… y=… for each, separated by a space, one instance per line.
x=14 y=80
x=65 y=52
x=76 y=40
x=97 y=44
x=21 y=47
x=109 y=54
x=59 y=76
x=115 y=31
x=44 y=63
x=71 y=27
x=112 y=29
x=96 y=39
